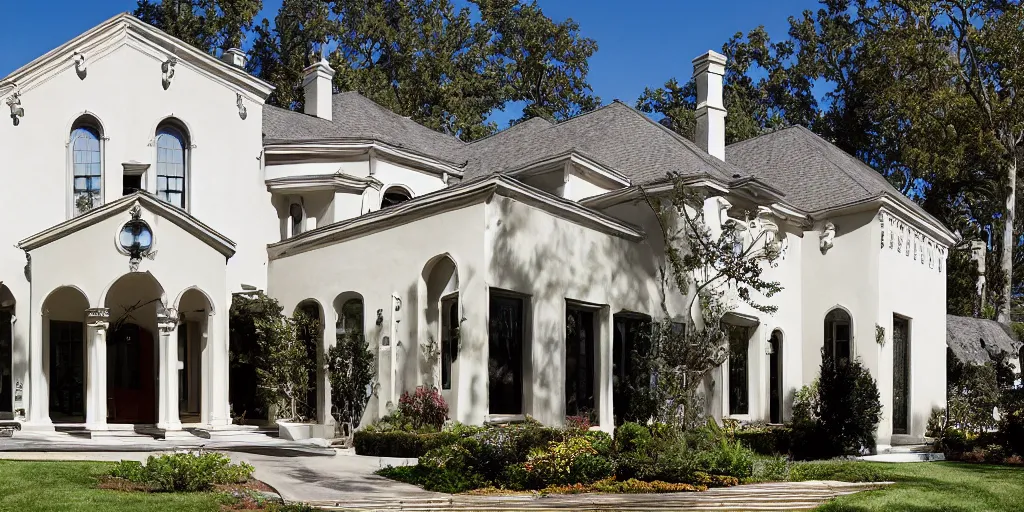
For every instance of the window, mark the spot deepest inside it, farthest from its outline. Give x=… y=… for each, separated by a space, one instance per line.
x=837 y=335
x=631 y=344
x=171 y=165
x=739 y=392
x=296 y=215
x=580 y=361
x=393 y=196
x=87 y=169
x=449 y=338
x=505 y=354
x=900 y=375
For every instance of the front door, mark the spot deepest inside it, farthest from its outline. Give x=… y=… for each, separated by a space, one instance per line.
x=67 y=371
x=900 y=374
x=131 y=383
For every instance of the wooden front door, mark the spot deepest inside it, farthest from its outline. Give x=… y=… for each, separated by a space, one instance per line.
x=131 y=382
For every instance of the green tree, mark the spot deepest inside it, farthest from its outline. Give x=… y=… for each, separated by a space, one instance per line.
x=540 y=62
x=350 y=366
x=279 y=54
x=208 y=25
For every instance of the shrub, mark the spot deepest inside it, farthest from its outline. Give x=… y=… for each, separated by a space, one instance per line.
x=425 y=408
x=399 y=444
x=805 y=405
x=498 y=449
x=849 y=407
x=1011 y=422
x=936 y=423
x=840 y=470
x=726 y=457
x=183 y=472
x=766 y=440
x=571 y=461
x=350 y=368
x=601 y=441
x=770 y=469
x=972 y=392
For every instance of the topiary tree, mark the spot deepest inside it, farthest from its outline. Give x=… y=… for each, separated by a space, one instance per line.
x=849 y=407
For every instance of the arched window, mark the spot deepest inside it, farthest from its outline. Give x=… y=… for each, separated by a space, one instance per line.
x=171 y=164
x=296 y=215
x=837 y=335
x=86 y=168
x=393 y=196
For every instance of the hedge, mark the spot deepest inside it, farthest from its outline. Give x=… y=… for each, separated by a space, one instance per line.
x=399 y=444
x=767 y=441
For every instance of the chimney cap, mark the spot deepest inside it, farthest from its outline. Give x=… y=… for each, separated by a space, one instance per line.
x=711 y=61
x=235 y=57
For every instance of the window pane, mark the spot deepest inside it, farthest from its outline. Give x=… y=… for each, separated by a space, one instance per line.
x=86 y=168
x=170 y=166
x=738 y=387
x=505 y=355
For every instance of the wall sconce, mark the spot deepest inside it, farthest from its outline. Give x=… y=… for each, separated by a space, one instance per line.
x=16 y=109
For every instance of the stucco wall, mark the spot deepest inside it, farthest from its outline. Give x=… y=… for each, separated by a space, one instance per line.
x=122 y=89
x=392 y=261
x=916 y=290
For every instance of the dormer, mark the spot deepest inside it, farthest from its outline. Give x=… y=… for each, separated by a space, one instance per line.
x=572 y=176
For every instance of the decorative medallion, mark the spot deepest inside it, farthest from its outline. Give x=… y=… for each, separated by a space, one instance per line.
x=136 y=239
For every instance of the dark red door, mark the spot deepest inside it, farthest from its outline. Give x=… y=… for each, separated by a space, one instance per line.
x=131 y=383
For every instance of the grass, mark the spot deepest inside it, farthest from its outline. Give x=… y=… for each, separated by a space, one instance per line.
x=65 y=486
x=945 y=486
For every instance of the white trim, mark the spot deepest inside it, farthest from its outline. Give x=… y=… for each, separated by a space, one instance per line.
x=573 y=157
x=174 y=214
x=359 y=147
x=316 y=182
x=445 y=199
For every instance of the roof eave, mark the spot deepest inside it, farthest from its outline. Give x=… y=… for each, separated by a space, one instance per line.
x=320 y=147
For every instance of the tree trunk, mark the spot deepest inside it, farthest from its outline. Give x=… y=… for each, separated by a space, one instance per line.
x=1009 y=240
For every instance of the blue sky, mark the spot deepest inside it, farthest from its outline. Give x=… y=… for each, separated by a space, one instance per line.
x=641 y=42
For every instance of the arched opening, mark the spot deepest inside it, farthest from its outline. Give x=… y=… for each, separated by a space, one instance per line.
x=838 y=332
x=394 y=195
x=134 y=301
x=194 y=309
x=172 y=163
x=310 y=320
x=6 y=353
x=297 y=217
x=442 y=315
x=64 y=354
x=348 y=307
x=86 y=147
x=775 y=378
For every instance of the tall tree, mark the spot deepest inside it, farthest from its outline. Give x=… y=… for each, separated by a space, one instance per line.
x=420 y=58
x=541 y=63
x=279 y=54
x=208 y=25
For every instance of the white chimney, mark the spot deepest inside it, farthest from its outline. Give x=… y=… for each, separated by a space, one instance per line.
x=234 y=57
x=317 y=89
x=708 y=70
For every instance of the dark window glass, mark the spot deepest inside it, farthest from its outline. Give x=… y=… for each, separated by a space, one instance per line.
x=505 y=355
x=580 y=335
x=739 y=390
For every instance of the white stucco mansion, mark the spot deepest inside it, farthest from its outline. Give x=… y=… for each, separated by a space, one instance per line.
x=145 y=182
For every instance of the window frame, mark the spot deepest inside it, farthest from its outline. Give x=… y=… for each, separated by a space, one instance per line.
x=169 y=126
x=92 y=124
x=829 y=332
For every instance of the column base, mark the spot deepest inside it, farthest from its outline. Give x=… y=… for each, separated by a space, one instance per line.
x=223 y=422
x=97 y=427
x=176 y=425
x=37 y=426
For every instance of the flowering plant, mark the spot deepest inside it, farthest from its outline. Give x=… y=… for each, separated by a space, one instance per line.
x=425 y=407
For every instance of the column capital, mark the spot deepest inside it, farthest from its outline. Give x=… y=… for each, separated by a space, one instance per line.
x=167 y=320
x=97 y=317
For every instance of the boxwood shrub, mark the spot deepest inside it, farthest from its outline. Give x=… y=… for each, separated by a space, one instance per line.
x=766 y=440
x=400 y=444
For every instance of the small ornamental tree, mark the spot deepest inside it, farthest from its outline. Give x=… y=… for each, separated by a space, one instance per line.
x=272 y=347
x=849 y=407
x=702 y=266
x=350 y=367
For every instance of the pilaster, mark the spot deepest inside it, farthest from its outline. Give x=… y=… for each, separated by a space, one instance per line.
x=167 y=322
x=97 y=320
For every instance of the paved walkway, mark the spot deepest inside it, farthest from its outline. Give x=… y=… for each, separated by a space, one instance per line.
x=346 y=482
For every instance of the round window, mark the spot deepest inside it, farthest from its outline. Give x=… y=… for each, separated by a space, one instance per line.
x=136 y=236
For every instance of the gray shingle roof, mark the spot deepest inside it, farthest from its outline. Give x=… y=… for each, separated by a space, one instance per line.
x=814 y=174
x=974 y=340
x=355 y=117
x=615 y=136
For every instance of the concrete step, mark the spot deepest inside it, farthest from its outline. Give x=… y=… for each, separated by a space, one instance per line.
x=904 y=457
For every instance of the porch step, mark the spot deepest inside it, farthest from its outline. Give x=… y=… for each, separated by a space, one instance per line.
x=904 y=457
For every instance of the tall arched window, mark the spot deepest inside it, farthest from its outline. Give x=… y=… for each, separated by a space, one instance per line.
x=86 y=167
x=838 y=335
x=171 y=164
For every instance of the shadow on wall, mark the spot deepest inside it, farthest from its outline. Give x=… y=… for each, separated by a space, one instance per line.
x=552 y=259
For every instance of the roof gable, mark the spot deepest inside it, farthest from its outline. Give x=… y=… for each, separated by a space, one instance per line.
x=175 y=215
x=126 y=29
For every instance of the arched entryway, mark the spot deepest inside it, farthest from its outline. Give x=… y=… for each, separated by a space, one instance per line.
x=310 y=318
x=194 y=308
x=775 y=378
x=64 y=353
x=6 y=353
x=442 y=314
x=135 y=302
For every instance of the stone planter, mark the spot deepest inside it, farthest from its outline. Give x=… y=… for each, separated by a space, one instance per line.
x=296 y=431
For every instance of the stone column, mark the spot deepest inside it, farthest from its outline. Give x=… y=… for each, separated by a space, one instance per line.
x=217 y=344
x=167 y=322
x=38 y=408
x=96 y=373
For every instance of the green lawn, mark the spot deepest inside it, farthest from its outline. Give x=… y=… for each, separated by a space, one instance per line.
x=946 y=486
x=65 y=486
